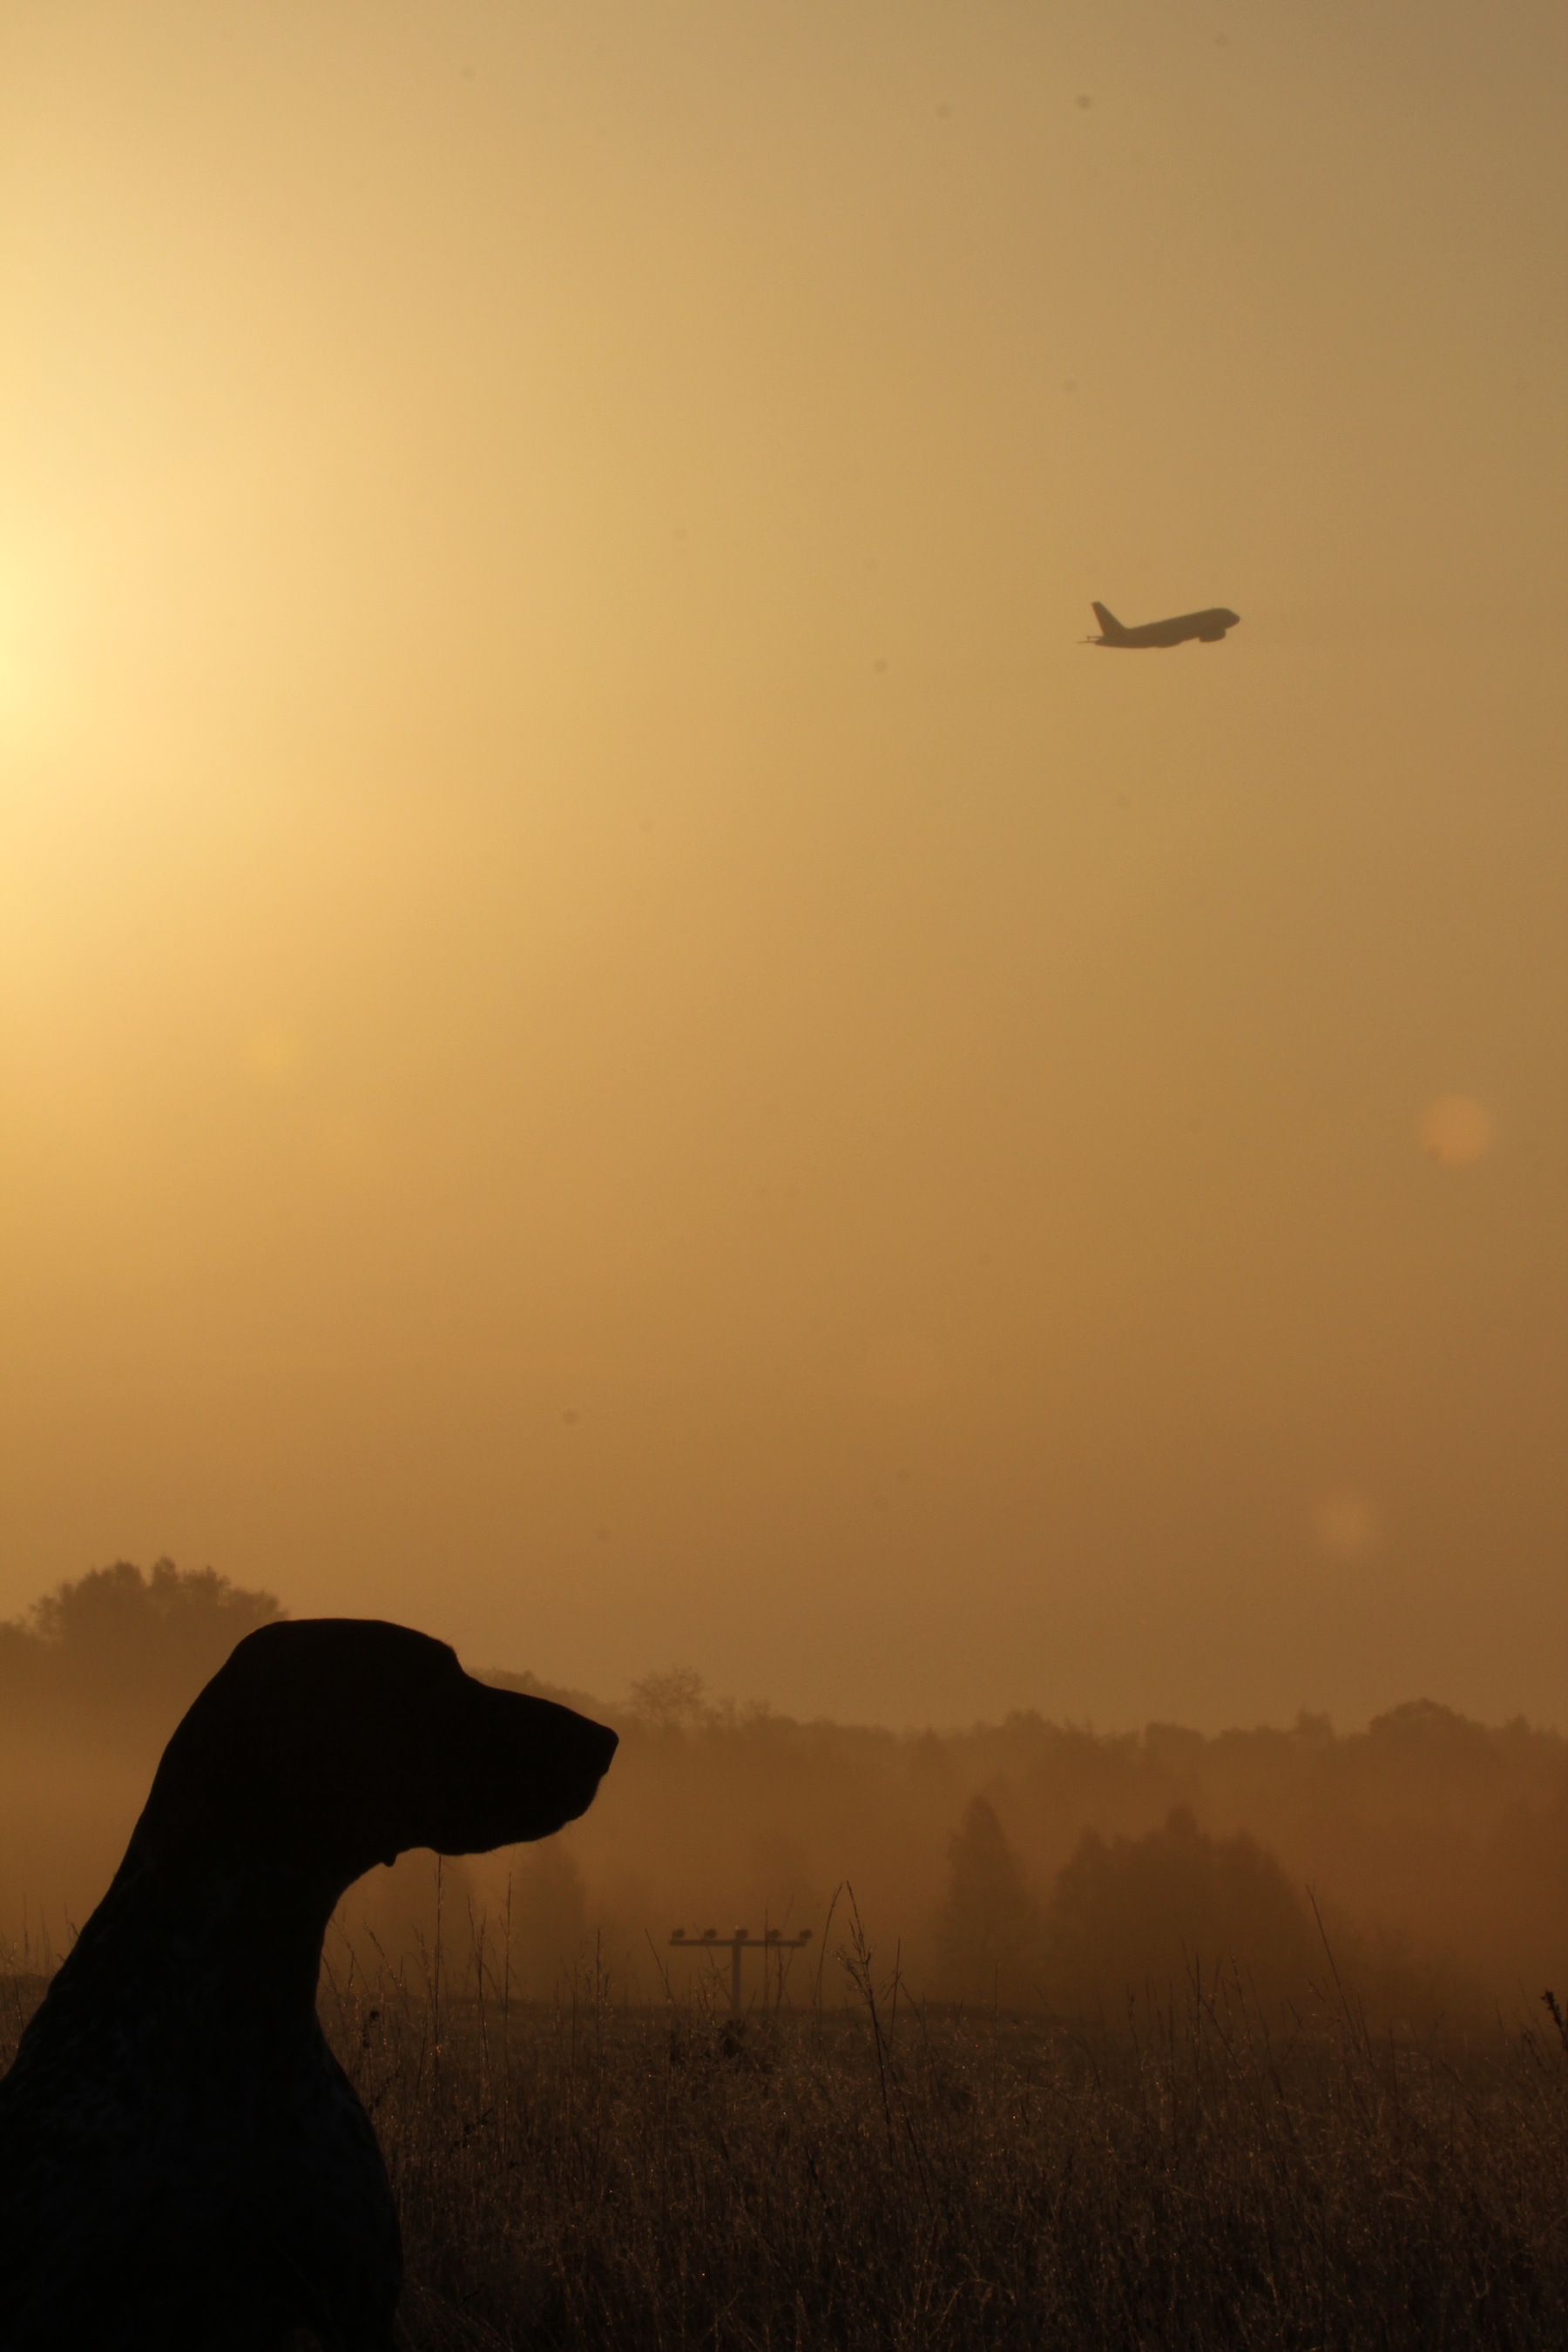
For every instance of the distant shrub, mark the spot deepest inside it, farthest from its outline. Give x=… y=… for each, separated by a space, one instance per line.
x=1145 y=1909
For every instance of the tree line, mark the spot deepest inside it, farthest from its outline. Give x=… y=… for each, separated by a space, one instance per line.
x=1016 y=1862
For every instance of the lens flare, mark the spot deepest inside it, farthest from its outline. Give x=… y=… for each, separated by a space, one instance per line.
x=1345 y=1524
x=1455 y=1131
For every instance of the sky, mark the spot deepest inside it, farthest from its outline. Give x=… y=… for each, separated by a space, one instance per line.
x=615 y=1042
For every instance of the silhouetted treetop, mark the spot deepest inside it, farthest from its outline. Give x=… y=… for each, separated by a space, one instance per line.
x=117 y=1643
x=988 y=1924
x=674 y=1699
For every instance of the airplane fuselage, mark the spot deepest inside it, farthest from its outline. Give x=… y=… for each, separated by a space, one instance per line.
x=1208 y=628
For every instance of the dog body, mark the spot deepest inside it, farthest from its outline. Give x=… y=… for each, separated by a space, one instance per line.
x=183 y=2162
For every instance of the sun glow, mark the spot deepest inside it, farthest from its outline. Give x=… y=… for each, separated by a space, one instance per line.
x=562 y=852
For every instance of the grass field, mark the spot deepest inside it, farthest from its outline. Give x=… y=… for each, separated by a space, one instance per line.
x=858 y=2173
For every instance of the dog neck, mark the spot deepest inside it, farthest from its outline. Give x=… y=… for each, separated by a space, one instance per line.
x=211 y=1936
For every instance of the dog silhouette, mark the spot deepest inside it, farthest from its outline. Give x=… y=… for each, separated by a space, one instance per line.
x=183 y=2162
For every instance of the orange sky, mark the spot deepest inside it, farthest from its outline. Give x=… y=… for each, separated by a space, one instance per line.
x=615 y=1042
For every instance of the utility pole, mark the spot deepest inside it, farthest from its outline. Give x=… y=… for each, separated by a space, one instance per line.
x=772 y=1939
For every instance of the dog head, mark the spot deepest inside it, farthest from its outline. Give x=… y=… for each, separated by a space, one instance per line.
x=345 y=1741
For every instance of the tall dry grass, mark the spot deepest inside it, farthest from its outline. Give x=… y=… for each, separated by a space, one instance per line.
x=858 y=2172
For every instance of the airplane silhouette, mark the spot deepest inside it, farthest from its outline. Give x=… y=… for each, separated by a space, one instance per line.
x=1208 y=627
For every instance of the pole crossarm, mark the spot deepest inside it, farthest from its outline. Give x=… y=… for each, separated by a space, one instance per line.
x=772 y=1939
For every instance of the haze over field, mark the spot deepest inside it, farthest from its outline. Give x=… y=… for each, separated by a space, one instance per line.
x=615 y=1044
x=1030 y=1863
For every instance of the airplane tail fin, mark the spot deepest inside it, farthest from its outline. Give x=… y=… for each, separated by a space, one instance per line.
x=1109 y=626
